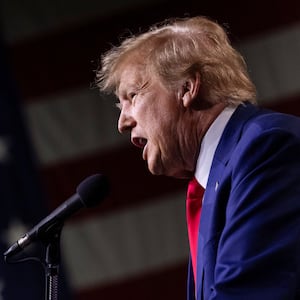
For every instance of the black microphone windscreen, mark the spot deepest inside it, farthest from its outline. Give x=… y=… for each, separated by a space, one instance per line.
x=93 y=189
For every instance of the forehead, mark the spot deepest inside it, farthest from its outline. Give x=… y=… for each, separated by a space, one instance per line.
x=131 y=75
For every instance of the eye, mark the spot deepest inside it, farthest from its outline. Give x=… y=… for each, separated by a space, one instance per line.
x=132 y=96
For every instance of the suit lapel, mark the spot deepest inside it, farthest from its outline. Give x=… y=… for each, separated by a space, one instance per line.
x=228 y=141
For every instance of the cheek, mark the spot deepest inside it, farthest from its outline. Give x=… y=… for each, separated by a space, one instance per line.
x=159 y=119
x=149 y=119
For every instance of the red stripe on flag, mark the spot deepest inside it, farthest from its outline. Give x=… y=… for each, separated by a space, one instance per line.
x=288 y=105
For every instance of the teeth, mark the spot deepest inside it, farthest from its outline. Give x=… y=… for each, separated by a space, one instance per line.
x=142 y=141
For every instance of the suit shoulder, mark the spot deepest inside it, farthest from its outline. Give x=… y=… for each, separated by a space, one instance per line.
x=267 y=121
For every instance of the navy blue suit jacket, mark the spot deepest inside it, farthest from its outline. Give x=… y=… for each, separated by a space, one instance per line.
x=249 y=238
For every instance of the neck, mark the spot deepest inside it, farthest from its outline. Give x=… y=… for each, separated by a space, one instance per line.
x=202 y=120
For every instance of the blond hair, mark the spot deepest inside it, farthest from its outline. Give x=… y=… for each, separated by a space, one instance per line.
x=179 y=48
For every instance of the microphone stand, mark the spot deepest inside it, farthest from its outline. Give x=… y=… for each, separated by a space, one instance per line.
x=52 y=261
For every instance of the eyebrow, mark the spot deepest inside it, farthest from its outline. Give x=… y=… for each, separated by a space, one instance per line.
x=133 y=86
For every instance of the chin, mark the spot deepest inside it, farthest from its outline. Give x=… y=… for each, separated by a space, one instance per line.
x=180 y=173
x=156 y=168
x=155 y=171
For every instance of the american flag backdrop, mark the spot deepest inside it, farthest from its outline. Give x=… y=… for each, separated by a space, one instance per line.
x=134 y=245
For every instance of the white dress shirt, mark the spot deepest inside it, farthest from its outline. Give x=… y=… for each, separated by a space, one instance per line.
x=209 y=145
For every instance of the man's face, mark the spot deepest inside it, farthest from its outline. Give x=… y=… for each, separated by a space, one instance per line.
x=157 y=120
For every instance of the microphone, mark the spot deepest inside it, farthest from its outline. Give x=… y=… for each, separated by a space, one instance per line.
x=89 y=193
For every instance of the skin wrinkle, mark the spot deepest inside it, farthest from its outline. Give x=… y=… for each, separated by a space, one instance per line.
x=188 y=142
x=173 y=130
x=176 y=130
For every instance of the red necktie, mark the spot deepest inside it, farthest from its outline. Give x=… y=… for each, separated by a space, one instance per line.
x=193 y=210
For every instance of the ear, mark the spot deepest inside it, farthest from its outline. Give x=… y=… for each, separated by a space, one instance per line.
x=190 y=89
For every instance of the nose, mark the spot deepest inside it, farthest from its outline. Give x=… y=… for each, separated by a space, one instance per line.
x=126 y=121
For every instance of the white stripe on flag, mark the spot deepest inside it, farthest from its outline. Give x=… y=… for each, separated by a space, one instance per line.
x=126 y=243
x=73 y=124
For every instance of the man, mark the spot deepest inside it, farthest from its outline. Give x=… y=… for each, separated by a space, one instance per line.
x=186 y=97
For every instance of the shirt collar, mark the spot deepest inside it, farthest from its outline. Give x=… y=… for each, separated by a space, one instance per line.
x=209 y=144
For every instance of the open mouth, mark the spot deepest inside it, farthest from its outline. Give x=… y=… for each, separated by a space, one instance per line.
x=139 y=142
